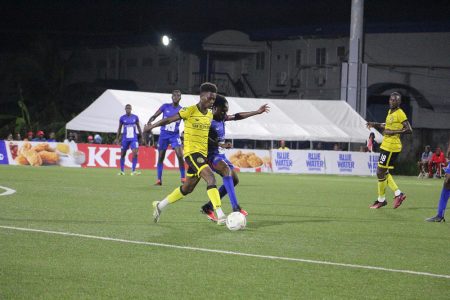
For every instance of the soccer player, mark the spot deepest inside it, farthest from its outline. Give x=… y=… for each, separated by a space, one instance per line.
x=396 y=124
x=170 y=134
x=445 y=194
x=216 y=156
x=130 y=123
x=197 y=121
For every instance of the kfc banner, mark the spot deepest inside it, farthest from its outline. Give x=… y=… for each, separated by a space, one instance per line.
x=249 y=160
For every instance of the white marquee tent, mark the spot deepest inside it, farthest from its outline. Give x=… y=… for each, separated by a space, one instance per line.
x=295 y=120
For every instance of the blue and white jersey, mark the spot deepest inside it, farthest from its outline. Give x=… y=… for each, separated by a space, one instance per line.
x=129 y=131
x=216 y=135
x=168 y=110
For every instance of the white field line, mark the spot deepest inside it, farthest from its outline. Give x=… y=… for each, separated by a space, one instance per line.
x=320 y=262
x=7 y=191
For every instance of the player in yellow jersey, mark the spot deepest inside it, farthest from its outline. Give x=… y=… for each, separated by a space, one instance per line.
x=396 y=124
x=197 y=121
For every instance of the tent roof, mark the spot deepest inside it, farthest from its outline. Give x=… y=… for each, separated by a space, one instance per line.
x=316 y=120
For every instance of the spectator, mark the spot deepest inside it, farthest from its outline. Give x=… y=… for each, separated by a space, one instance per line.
x=9 y=137
x=319 y=146
x=336 y=147
x=90 y=139
x=40 y=137
x=52 y=137
x=97 y=139
x=30 y=136
x=18 y=137
x=424 y=160
x=71 y=138
x=372 y=144
x=283 y=146
x=437 y=161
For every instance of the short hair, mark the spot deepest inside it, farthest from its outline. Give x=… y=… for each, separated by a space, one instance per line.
x=397 y=94
x=220 y=101
x=128 y=105
x=176 y=91
x=208 y=87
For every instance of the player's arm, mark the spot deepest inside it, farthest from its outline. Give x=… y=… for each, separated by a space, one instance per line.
x=405 y=130
x=118 y=133
x=162 y=122
x=447 y=181
x=155 y=115
x=376 y=125
x=140 y=132
x=247 y=114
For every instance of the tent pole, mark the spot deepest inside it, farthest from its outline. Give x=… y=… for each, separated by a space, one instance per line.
x=348 y=146
x=310 y=145
x=271 y=144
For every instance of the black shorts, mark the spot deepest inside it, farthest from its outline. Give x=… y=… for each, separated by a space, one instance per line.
x=387 y=159
x=196 y=162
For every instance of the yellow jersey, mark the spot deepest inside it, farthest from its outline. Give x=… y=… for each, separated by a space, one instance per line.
x=394 y=120
x=196 y=130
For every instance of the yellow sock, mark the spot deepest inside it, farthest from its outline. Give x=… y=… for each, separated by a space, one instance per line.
x=382 y=188
x=175 y=195
x=214 y=196
x=391 y=183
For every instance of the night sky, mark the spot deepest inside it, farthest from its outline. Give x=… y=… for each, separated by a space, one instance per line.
x=181 y=16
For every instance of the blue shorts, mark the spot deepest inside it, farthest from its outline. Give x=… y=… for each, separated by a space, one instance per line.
x=133 y=144
x=213 y=160
x=165 y=140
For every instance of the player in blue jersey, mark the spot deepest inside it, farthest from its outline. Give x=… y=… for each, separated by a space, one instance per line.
x=216 y=157
x=170 y=135
x=445 y=194
x=131 y=128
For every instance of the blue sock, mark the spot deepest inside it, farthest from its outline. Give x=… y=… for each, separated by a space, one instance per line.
x=443 y=202
x=222 y=191
x=134 y=162
x=182 y=171
x=229 y=186
x=122 y=164
x=159 y=169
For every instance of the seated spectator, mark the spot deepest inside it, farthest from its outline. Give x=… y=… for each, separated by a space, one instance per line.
x=98 y=139
x=90 y=139
x=422 y=164
x=30 y=136
x=436 y=162
x=283 y=145
x=40 y=137
x=9 y=137
x=372 y=144
x=52 y=137
x=17 y=137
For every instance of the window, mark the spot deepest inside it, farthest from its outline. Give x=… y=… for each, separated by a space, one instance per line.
x=101 y=63
x=260 y=60
x=340 y=53
x=163 y=60
x=147 y=62
x=321 y=54
x=298 y=58
x=131 y=62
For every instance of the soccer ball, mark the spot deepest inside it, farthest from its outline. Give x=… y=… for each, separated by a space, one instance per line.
x=236 y=221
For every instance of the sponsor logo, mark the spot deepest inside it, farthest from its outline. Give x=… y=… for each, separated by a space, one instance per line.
x=200 y=160
x=283 y=162
x=345 y=163
x=372 y=164
x=315 y=162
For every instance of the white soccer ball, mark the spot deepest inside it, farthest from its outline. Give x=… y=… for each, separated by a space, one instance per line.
x=236 y=221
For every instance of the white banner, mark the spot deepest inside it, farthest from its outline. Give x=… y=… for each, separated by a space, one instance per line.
x=349 y=163
x=298 y=161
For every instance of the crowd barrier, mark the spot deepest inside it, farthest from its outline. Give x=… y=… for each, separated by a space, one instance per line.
x=245 y=160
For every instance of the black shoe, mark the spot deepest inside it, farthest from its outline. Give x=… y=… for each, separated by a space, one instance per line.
x=435 y=219
x=207 y=208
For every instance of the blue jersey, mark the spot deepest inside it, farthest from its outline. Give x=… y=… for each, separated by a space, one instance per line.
x=168 y=110
x=129 y=132
x=216 y=135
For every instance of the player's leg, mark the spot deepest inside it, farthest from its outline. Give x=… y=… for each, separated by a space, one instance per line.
x=177 y=194
x=134 y=149
x=123 y=151
x=179 y=153
x=163 y=143
x=445 y=194
x=430 y=169
x=213 y=193
x=382 y=171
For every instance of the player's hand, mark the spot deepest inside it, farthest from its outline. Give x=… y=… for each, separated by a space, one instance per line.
x=148 y=127
x=142 y=141
x=264 y=108
x=227 y=145
x=370 y=125
x=116 y=141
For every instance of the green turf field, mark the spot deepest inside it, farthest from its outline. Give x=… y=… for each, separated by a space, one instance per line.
x=317 y=218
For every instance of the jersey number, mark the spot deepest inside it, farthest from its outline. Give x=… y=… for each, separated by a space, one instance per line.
x=171 y=127
x=383 y=158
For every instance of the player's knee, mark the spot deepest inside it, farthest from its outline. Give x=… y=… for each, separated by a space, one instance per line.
x=186 y=189
x=235 y=180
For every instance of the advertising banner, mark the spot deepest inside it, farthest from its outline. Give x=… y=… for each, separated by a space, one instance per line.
x=3 y=154
x=298 y=161
x=249 y=160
